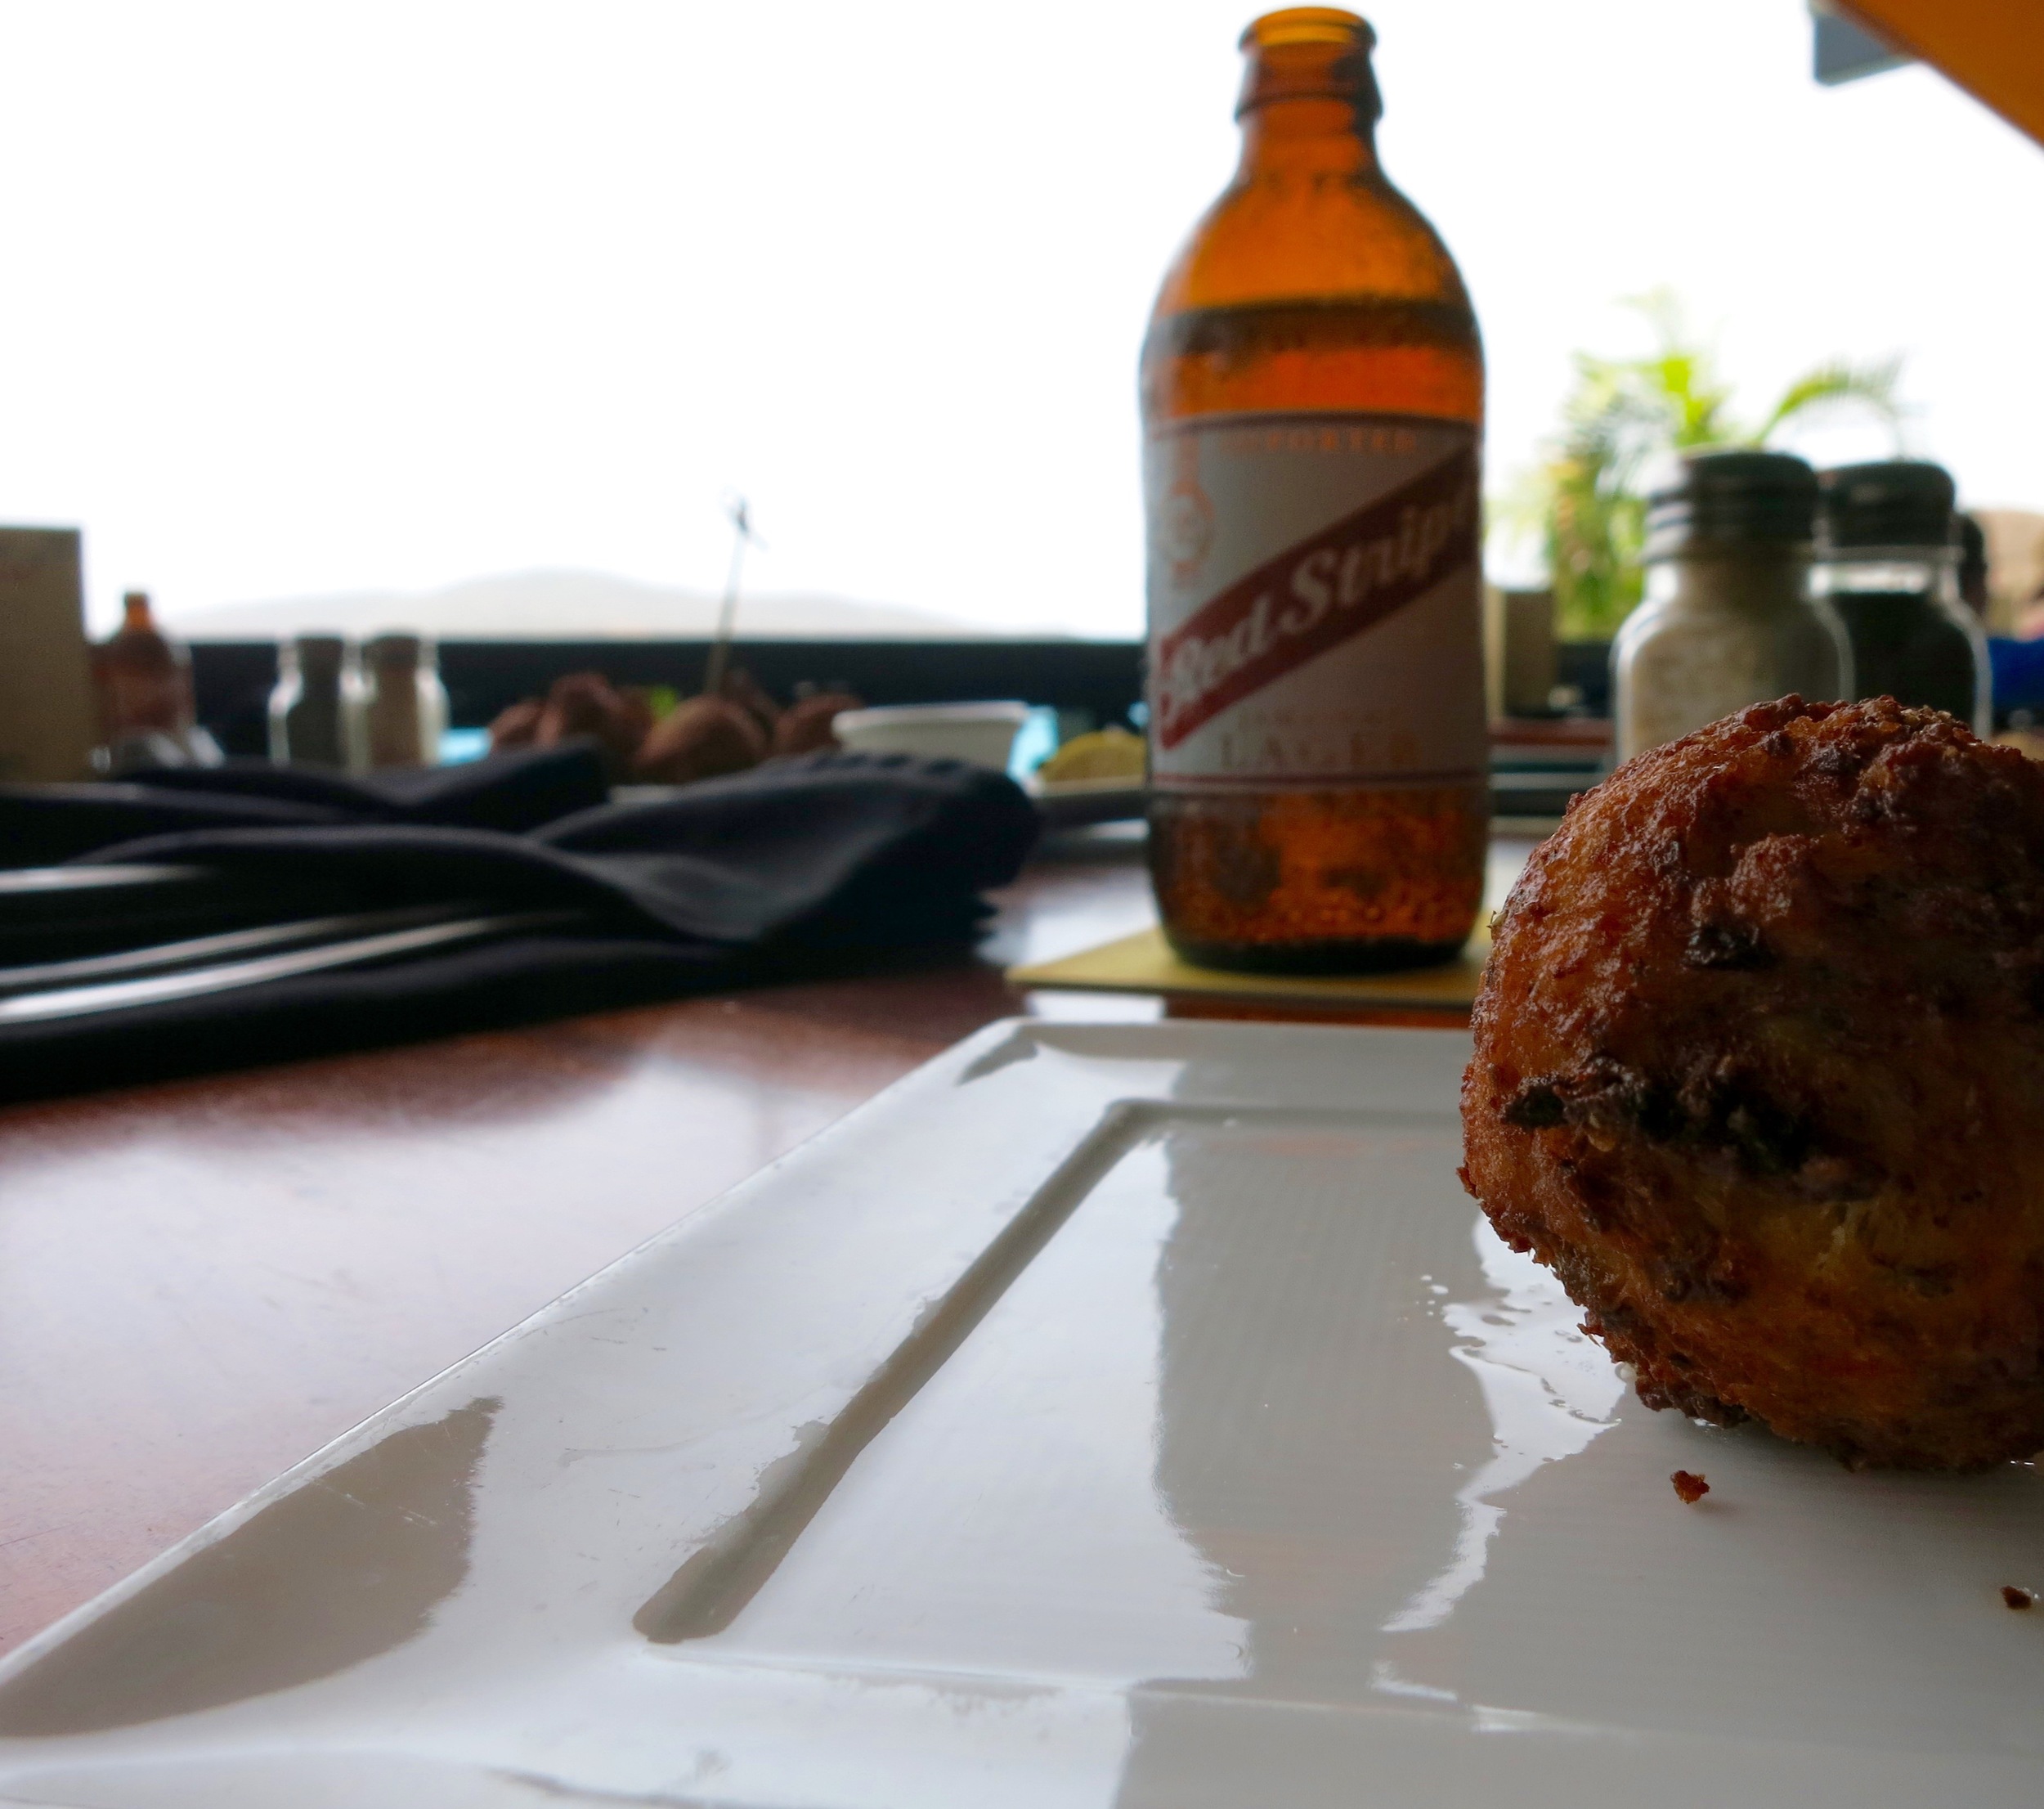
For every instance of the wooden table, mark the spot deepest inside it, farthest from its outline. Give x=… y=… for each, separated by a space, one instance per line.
x=202 y=1282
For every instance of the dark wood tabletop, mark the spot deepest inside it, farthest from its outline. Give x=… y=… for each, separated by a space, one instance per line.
x=203 y=1281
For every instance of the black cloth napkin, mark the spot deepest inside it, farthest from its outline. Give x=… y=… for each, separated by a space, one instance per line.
x=822 y=864
x=40 y=824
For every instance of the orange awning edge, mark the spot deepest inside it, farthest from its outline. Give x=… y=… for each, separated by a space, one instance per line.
x=1993 y=49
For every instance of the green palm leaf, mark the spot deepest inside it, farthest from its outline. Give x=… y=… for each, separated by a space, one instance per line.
x=1622 y=413
x=1871 y=386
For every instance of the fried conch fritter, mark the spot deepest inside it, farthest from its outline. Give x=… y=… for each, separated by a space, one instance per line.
x=1759 y=1074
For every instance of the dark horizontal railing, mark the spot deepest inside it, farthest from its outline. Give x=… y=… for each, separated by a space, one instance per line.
x=1088 y=681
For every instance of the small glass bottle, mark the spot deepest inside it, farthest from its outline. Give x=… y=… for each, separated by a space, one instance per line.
x=317 y=712
x=143 y=677
x=1888 y=562
x=1729 y=619
x=407 y=711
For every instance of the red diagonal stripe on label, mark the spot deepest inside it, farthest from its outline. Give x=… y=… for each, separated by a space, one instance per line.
x=1314 y=595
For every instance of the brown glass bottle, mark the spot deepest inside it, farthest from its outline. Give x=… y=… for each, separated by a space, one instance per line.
x=1312 y=400
x=143 y=678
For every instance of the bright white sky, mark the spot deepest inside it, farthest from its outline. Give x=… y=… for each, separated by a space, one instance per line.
x=317 y=298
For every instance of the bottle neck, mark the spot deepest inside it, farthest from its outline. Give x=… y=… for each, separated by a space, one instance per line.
x=1307 y=104
x=1317 y=137
x=135 y=617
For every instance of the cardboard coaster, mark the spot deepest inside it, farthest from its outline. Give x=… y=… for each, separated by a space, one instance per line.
x=1144 y=964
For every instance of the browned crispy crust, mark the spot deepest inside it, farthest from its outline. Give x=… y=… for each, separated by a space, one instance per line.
x=1759 y=1074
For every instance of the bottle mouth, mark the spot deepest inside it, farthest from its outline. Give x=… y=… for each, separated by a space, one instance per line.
x=1310 y=53
x=1307 y=25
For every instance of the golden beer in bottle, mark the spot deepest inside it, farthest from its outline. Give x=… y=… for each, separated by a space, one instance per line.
x=1312 y=401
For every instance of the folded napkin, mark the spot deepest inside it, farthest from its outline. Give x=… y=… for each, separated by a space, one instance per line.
x=829 y=861
x=515 y=792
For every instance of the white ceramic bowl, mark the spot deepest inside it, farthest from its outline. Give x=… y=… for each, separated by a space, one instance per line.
x=981 y=734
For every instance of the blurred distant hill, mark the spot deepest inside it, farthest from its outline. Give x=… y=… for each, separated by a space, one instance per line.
x=572 y=605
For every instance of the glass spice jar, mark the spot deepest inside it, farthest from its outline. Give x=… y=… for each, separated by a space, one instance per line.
x=406 y=712
x=1729 y=619
x=1888 y=563
x=317 y=711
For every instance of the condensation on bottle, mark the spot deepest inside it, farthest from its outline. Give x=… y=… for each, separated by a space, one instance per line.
x=1313 y=402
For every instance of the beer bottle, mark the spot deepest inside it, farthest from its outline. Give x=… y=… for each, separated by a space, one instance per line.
x=143 y=677
x=1312 y=397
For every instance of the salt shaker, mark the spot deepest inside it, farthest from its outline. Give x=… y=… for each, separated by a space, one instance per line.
x=407 y=707
x=317 y=709
x=1729 y=619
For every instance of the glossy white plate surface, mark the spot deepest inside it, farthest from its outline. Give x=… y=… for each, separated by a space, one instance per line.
x=1130 y=1415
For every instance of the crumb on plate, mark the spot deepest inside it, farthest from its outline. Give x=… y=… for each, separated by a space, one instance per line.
x=1693 y=1488
x=2016 y=1598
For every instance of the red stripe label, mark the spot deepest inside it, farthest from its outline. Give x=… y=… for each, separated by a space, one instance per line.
x=1316 y=595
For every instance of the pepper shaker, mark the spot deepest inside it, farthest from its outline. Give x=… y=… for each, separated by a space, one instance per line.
x=1887 y=562
x=316 y=710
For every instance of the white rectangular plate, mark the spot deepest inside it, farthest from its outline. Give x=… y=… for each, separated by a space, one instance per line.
x=1131 y=1414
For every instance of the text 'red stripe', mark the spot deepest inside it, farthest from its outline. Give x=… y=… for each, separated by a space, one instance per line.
x=1316 y=595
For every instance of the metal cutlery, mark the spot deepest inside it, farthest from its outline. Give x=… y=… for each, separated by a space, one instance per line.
x=188 y=982
x=199 y=950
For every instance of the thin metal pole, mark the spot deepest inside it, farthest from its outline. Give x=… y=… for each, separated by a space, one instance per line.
x=728 y=615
